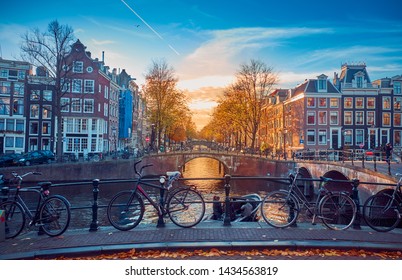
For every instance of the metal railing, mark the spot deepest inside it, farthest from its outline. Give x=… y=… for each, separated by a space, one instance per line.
x=96 y=185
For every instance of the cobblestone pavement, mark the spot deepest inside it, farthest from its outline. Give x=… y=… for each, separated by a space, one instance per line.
x=212 y=234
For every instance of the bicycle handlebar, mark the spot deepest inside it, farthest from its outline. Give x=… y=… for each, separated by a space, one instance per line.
x=140 y=172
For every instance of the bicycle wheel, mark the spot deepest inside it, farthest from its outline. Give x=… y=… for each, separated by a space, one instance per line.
x=337 y=211
x=280 y=209
x=381 y=212
x=186 y=207
x=14 y=218
x=123 y=214
x=55 y=215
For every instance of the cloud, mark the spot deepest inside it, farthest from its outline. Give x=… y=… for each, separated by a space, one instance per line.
x=102 y=42
x=221 y=53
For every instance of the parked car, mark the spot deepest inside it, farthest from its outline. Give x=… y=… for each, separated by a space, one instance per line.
x=50 y=155
x=35 y=157
x=9 y=159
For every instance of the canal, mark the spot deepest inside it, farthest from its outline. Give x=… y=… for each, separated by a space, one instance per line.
x=81 y=196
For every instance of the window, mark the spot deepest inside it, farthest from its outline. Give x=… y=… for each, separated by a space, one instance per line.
x=348 y=137
x=348 y=118
x=10 y=125
x=359 y=102
x=322 y=137
x=47 y=95
x=33 y=128
x=65 y=104
x=18 y=106
x=19 y=127
x=3 y=73
x=370 y=118
x=89 y=86
x=359 y=118
x=106 y=92
x=76 y=105
x=105 y=109
x=19 y=142
x=65 y=85
x=33 y=144
x=310 y=137
x=397 y=88
x=35 y=95
x=310 y=118
x=386 y=103
x=359 y=136
x=77 y=86
x=322 y=102
x=397 y=138
x=90 y=69
x=47 y=112
x=78 y=66
x=397 y=119
x=46 y=128
x=322 y=117
x=333 y=118
x=94 y=125
x=386 y=119
x=310 y=102
x=19 y=89
x=359 y=82
x=348 y=102
x=9 y=142
x=370 y=102
x=334 y=102
x=5 y=88
x=13 y=75
x=397 y=103
x=34 y=111
x=21 y=74
x=88 y=105
x=322 y=85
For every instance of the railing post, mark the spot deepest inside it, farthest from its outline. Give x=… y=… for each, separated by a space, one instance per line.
x=355 y=197
x=161 y=222
x=226 y=220
x=389 y=166
x=95 y=191
x=363 y=159
x=375 y=162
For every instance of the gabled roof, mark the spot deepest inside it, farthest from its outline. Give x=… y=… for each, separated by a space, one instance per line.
x=313 y=86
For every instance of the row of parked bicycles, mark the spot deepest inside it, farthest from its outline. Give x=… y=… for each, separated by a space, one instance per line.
x=185 y=206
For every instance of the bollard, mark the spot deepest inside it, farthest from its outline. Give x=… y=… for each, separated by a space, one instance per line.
x=161 y=222
x=94 y=223
x=355 y=197
x=2 y=225
x=375 y=162
x=226 y=220
x=363 y=160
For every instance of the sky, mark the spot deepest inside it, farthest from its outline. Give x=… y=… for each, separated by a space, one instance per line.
x=206 y=42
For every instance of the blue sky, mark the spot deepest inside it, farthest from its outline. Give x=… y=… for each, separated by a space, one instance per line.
x=206 y=41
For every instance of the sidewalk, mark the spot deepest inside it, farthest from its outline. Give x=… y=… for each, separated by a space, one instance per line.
x=207 y=234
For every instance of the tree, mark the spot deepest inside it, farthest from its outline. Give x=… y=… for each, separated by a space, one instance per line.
x=167 y=106
x=254 y=82
x=49 y=50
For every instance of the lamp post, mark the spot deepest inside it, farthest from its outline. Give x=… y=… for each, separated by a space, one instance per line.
x=115 y=142
x=284 y=143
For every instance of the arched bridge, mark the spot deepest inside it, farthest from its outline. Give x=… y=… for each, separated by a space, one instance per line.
x=233 y=164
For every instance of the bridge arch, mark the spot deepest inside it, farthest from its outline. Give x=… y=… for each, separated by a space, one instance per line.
x=222 y=163
x=337 y=186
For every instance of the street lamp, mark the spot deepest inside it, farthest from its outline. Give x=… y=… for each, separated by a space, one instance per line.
x=284 y=143
x=115 y=142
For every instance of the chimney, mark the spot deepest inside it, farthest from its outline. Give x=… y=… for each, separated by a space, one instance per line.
x=103 y=56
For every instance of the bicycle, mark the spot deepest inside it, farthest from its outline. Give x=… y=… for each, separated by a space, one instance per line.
x=281 y=208
x=382 y=211
x=52 y=213
x=184 y=205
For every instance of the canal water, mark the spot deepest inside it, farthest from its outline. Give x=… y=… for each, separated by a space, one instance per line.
x=198 y=172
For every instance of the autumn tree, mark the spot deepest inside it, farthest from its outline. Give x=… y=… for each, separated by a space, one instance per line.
x=167 y=106
x=254 y=81
x=48 y=50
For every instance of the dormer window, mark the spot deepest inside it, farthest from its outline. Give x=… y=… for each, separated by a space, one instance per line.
x=397 y=88
x=358 y=82
x=322 y=83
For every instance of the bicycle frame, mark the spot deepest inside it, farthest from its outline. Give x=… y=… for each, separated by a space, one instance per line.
x=311 y=207
x=33 y=217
